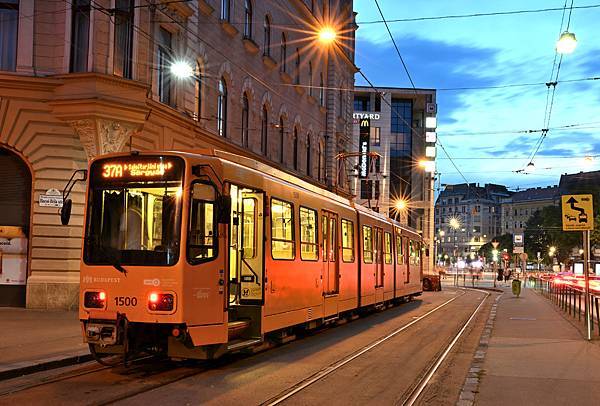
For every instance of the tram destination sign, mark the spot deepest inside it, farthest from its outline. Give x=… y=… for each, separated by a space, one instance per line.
x=363 y=144
x=137 y=168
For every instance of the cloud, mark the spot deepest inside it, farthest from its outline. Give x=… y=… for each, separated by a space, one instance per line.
x=432 y=64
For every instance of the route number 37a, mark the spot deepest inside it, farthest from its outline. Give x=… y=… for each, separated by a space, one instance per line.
x=126 y=301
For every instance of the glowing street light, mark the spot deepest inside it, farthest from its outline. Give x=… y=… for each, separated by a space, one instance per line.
x=327 y=35
x=182 y=70
x=400 y=204
x=428 y=166
x=567 y=43
x=454 y=223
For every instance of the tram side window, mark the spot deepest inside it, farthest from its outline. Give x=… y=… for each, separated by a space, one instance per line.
x=399 y=250
x=367 y=245
x=282 y=230
x=413 y=252
x=347 y=241
x=387 y=248
x=203 y=228
x=308 y=234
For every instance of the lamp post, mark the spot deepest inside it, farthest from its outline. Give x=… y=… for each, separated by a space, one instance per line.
x=455 y=225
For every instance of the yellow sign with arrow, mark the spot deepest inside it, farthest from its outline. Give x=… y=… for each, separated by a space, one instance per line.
x=577 y=212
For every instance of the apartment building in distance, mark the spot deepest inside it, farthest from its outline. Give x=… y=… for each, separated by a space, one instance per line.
x=83 y=78
x=468 y=216
x=521 y=205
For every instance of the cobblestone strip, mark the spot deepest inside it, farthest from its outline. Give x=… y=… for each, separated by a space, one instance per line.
x=471 y=385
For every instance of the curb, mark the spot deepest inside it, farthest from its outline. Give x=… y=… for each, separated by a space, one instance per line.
x=30 y=367
x=471 y=386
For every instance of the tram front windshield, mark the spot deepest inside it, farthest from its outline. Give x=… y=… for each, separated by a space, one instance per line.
x=134 y=211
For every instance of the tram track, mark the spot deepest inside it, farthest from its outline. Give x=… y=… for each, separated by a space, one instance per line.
x=144 y=378
x=413 y=393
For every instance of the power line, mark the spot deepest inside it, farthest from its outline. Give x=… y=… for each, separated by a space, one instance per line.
x=457 y=16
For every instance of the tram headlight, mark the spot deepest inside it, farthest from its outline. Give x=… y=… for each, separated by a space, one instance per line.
x=94 y=300
x=161 y=302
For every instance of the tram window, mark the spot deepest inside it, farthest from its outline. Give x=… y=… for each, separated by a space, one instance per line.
x=308 y=234
x=324 y=228
x=387 y=248
x=203 y=228
x=399 y=250
x=347 y=241
x=282 y=230
x=413 y=252
x=249 y=234
x=367 y=245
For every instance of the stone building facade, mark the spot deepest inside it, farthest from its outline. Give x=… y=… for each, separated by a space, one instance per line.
x=82 y=78
x=521 y=205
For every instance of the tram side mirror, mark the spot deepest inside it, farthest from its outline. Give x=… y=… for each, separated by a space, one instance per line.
x=224 y=209
x=65 y=212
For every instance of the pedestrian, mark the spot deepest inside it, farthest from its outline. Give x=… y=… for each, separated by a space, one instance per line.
x=506 y=275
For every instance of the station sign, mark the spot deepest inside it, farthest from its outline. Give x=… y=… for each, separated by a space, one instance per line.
x=363 y=144
x=577 y=212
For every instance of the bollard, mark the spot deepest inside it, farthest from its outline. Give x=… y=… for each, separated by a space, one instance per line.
x=516 y=287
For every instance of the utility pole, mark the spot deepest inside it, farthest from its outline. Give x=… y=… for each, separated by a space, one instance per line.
x=586 y=273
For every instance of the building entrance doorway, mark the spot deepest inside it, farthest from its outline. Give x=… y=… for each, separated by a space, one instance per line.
x=15 y=206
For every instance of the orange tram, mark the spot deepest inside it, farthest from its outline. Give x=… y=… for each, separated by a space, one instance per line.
x=195 y=255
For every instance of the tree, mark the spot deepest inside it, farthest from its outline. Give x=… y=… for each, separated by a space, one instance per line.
x=544 y=230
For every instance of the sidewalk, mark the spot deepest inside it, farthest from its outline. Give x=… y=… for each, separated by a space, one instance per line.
x=33 y=340
x=536 y=357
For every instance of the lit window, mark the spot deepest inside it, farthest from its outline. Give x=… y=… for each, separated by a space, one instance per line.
x=347 y=241
x=387 y=248
x=367 y=245
x=282 y=230
x=308 y=234
x=400 y=249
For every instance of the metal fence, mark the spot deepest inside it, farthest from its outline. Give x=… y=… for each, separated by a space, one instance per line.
x=571 y=299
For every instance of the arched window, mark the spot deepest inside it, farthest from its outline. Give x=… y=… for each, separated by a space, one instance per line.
x=321 y=91
x=226 y=10
x=297 y=80
x=310 y=79
x=295 y=145
x=245 y=114
x=267 y=37
x=264 y=131
x=222 y=109
x=320 y=169
x=308 y=152
x=283 y=56
x=247 y=19
x=198 y=92
x=281 y=139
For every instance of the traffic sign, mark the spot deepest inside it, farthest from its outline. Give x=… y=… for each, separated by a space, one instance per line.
x=577 y=212
x=495 y=244
x=518 y=239
x=518 y=250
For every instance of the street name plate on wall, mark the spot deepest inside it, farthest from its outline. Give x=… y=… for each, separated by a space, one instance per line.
x=363 y=144
x=577 y=212
x=52 y=198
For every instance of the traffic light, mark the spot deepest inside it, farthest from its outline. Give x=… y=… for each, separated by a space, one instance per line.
x=505 y=256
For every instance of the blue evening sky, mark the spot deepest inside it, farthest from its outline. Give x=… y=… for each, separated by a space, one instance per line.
x=493 y=51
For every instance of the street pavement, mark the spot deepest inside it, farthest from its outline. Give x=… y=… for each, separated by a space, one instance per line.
x=36 y=339
x=536 y=357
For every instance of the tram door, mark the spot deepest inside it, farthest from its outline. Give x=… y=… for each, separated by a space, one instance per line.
x=378 y=264
x=246 y=250
x=331 y=265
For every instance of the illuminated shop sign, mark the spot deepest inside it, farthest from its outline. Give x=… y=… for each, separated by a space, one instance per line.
x=363 y=142
x=359 y=116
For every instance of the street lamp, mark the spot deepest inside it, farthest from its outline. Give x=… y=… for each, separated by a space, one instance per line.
x=567 y=43
x=327 y=35
x=182 y=70
x=454 y=223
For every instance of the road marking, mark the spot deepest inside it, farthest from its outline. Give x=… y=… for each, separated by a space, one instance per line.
x=522 y=318
x=324 y=372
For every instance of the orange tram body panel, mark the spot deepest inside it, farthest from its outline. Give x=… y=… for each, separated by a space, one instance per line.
x=198 y=254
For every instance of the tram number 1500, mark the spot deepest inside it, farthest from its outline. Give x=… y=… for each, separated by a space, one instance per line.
x=126 y=301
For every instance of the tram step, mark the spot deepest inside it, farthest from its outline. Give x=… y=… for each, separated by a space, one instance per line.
x=243 y=344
